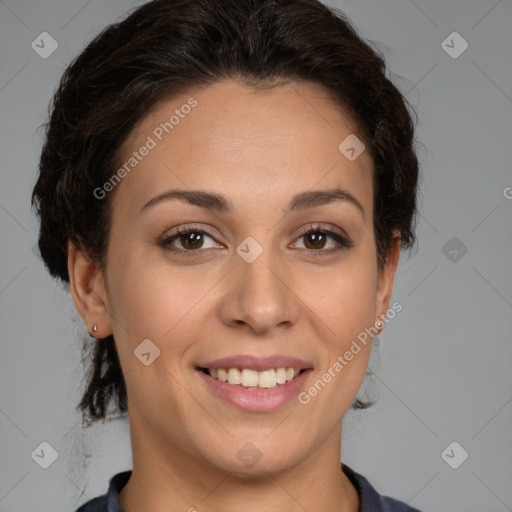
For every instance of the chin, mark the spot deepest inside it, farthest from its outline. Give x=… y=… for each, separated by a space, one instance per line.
x=252 y=458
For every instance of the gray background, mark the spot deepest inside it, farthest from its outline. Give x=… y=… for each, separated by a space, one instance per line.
x=442 y=366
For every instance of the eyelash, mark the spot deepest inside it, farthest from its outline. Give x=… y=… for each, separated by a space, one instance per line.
x=343 y=243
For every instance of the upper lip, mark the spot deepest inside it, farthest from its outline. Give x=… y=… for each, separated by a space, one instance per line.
x=258 y=363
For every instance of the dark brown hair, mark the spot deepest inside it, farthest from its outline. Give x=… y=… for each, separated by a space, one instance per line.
x=165 y=47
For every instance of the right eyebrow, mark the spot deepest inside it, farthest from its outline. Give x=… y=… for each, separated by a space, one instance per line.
x=202 y=198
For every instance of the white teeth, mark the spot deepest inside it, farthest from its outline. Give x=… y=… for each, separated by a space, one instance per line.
x=234 y=376
x=267 y=379
x=281 y=375
x=251 y=378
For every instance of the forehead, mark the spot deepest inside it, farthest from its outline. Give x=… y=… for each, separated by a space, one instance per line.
x=245 y=143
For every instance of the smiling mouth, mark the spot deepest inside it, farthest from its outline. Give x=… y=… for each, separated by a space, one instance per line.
x=253 y=379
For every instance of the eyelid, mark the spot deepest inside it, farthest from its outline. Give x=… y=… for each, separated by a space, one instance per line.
x=320 y=227
x=187 y=228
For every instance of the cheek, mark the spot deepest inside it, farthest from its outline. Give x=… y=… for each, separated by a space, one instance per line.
x=151 y=303
x=349 y=309
x=345 y=296
x=349 y=312
x=152 y=299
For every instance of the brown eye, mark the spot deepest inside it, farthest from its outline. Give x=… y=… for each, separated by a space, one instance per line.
x=188 y=240
x=192 y=240
x=315 y=240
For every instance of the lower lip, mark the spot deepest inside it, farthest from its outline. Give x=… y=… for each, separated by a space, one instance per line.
x=257 y=400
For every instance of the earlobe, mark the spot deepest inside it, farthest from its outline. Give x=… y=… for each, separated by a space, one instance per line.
x=386 y=280
x=88 y=291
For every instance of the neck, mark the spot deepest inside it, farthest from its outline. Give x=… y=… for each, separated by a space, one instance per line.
x=171 y=479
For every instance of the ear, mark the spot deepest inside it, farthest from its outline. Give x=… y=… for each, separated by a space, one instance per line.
x=88 y=291
x=386 y=279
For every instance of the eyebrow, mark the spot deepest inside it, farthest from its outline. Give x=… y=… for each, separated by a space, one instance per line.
x=214 y=201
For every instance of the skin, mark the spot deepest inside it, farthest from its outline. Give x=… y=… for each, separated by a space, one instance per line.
x=258 y=149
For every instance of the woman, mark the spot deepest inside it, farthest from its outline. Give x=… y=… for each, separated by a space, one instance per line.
x=226 y=187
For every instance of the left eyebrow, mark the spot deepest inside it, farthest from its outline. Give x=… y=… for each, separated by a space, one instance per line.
x=214 y=201
x=320 y=197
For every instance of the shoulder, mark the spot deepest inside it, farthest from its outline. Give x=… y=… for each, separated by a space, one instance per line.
x=391 y=505
x=98 y=504
x=108 y=502
x=371 y=500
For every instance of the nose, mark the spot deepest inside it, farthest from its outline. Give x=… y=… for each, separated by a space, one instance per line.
x=260 y=295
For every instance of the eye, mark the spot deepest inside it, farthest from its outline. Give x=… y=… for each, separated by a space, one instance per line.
x=190 y=239
x=315 y=239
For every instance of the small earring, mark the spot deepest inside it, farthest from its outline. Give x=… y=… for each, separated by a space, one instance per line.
x=379 y=324
x=95 y=328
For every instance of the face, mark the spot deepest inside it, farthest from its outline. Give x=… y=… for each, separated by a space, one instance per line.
x=271 y=269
